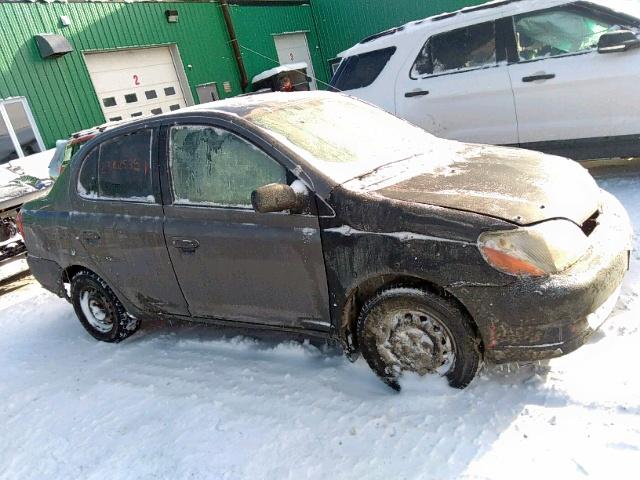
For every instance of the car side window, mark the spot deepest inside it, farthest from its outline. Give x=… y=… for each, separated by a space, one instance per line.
x=462 y=49
x=559 y=31
x=119 y=169
x=211 y=166
x=88 y=178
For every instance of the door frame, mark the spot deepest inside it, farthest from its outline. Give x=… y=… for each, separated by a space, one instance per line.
x=79 y=255
x=405 y=82
x=13 y=136
x=315 y=327
x=311 y=70
x=579 y=149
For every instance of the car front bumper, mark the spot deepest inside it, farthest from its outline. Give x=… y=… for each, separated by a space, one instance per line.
x=541 y=318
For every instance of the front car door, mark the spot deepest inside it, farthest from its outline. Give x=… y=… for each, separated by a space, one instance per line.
x=233 y=263
x=117 y=221
x=458 y=86
x=566 y=93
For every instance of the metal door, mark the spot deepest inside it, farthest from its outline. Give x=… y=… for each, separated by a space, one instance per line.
x=293 y=48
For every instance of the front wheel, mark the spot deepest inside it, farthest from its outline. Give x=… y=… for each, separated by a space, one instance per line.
x=412 y=330
x=99 y=310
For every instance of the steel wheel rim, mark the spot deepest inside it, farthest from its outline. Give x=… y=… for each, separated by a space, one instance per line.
x=416 y=341
x=95 y=307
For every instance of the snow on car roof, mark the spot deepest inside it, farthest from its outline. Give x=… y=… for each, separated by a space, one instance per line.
x=403 y=34
x=282 y=68
x=239 y=106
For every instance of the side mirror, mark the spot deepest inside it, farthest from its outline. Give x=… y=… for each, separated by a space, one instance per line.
x=275 y=197
x=618 y=41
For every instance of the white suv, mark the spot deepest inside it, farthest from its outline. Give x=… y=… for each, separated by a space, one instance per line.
x=557 y=76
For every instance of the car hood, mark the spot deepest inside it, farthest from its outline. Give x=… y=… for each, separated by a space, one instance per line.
x=515 y=185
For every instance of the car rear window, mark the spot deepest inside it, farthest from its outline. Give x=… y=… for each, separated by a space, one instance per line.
x=88 y=179
x=119 y=169
x=359 y=71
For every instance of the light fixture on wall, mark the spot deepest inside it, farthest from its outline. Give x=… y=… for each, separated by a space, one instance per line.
x=172 y=16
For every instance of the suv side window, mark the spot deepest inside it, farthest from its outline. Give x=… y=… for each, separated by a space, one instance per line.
x=119 y=169
x=359 y=71
x=560 y=31
x=210 y=166
x=462 y=49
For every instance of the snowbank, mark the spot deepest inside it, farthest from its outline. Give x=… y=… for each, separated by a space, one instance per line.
x=188 y=401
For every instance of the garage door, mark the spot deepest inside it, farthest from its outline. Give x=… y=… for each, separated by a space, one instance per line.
x=136 y=82
x=293 y=48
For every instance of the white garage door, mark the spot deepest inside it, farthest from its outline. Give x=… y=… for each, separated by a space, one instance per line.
x=136 y=82
x=293 y=48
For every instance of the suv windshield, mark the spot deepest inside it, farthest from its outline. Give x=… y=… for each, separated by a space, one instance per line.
x=342 y=137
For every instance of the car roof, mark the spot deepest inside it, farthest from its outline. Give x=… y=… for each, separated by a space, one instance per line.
x=239 y=107
x=235 y=110
x=397 y=36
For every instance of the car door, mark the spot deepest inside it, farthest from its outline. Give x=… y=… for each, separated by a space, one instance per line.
x=118 y=222
x=564 y=89
x=232 y=262
x=458 y=87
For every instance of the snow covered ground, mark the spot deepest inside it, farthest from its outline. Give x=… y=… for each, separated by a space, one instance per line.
x=189 y=401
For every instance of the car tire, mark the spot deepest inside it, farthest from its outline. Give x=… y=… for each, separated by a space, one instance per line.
x=413 y=330
x=99 y=310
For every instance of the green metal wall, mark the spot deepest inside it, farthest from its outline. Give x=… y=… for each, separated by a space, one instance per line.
x=342 y=23
x=60 y=92
x=255 y=26
x=332 y=26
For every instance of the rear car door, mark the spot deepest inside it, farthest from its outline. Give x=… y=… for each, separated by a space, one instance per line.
x=232 y=262
x=458 y=86
x=118 y=218
x=564 y=89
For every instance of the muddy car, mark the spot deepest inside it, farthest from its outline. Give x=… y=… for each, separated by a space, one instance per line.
x=317 y=214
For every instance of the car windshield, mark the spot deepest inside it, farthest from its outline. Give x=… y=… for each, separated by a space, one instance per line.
x=342 y=137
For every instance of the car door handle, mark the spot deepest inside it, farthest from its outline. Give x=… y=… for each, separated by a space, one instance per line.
x=90 y=237
x=416 y=93
x=186 y=245
x=542 y=76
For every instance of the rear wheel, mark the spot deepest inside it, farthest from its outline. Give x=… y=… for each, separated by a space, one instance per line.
x=99 y=310
x=412 y=330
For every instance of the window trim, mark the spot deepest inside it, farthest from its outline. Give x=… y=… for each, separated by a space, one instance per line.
x=168 y=188
x=32 y=123
x=153 y=153
x=500 y=56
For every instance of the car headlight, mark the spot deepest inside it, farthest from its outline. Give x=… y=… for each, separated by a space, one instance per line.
x=543 y=249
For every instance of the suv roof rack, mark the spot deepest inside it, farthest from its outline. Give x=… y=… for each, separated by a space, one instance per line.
x=476 y=8
x=391 y=31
